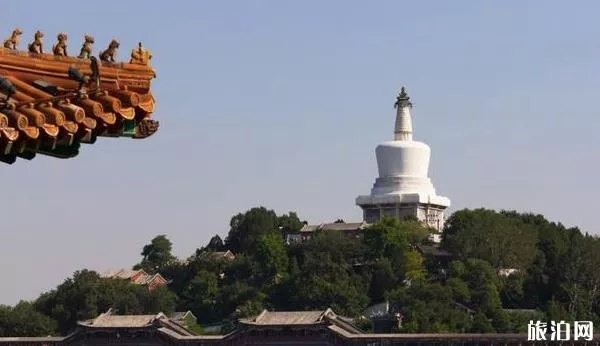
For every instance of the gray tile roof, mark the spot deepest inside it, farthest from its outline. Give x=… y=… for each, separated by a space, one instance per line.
x=142 y=278
x=227 y=255
x=288 y=317
x=301 y=318
x=120 y=273
x=344 y=226
x=180 y=315
x=107 y=320
x=433 y=251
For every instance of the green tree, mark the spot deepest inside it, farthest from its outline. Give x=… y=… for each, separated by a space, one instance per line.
x=511 y=291
x=459 y=289
x=72 y=301
x=412 y=266
x=382 y=281
x=245 y=269
x=392 y=239
x=180 y=273
x=86 y=295
x=271 y=255
x=519 y=319
x=289 y=222
x=557 y=312
x=159 y=299
x=327 y=277
x=157 y=255
x=485 y=234
x=238 y=299
x=246 y=228
x=201 y=294
x=428 y=308
x=581 y=287
x=216 y=244
x=549 y=267
x=23 y=320
x=483 y=286
x=558 y=276
x=482 y=324
x=385 y=239
x=323 y=283
x=344 y=250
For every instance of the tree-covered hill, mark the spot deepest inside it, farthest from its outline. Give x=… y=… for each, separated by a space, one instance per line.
x=553 y=275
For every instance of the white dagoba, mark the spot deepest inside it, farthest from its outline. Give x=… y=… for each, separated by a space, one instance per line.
x=403 y=187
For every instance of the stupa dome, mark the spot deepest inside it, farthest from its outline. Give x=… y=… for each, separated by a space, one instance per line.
x=403 y=159
x=403 y=187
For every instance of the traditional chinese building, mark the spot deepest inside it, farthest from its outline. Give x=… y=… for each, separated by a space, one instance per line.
x=219 y=255
x=316 y=328
x=403 y=188
x=138 y=277
x=52 y=101
x=351 y=229
x=182 y=317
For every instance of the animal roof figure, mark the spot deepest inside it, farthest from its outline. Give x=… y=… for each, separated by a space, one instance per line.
x=14 y=40
x=110 y=53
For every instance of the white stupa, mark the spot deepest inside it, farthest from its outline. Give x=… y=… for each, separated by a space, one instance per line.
x=403 y=187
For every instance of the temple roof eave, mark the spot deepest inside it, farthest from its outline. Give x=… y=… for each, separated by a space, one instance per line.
x=48 y=114
x=283 y=325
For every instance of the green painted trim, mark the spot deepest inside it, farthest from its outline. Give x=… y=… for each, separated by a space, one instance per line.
x=62 y=152
x=129 y=128
x=10 y=159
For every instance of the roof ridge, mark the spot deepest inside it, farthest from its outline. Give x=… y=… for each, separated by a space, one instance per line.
x=326 y=313
x=262 y=314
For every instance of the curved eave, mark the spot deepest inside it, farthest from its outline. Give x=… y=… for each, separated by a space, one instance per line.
x=57 y=128
x=68 y=146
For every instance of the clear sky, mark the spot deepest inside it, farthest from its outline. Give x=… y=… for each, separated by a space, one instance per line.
x=281 y=104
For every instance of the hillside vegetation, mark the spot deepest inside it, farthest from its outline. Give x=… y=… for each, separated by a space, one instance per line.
x=557 y=276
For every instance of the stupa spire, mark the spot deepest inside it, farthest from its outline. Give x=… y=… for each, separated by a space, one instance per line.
x=403 y=129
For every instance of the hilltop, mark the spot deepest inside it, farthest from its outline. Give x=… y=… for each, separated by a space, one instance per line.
x=492 y=272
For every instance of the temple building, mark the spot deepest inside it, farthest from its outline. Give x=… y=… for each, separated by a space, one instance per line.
x=403 y=188
x=138 y=277
x=351 y=229
x=275 y=328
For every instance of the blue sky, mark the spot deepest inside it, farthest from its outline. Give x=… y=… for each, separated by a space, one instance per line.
x=281 y=104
